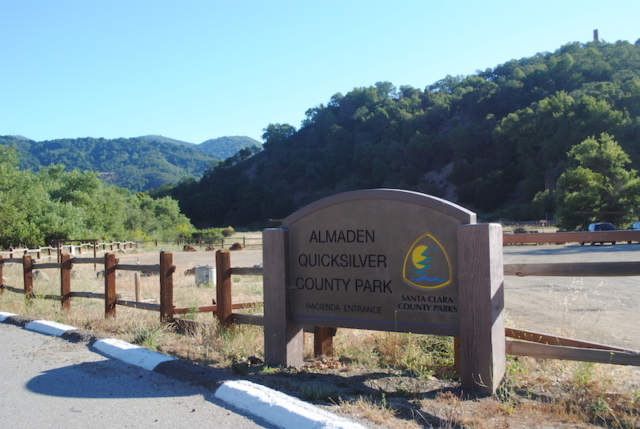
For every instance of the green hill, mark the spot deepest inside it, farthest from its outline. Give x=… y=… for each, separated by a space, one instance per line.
x=226 y=147
x=491 y=141
x=220 y=148
x=137 y=164
x=162 y=139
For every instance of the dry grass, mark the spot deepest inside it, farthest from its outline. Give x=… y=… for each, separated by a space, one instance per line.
x=391 y=379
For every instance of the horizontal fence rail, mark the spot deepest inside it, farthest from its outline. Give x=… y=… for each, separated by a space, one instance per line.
x=228 y=242
x=574 y=269
x=620 y=236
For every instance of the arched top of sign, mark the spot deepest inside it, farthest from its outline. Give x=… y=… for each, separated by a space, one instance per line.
x=453 y=210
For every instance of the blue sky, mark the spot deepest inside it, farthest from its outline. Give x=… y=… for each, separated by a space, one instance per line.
x=194 y=70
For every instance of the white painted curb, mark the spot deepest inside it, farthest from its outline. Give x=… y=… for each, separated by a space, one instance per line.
x=282 y=410
x=48 y=328
x=4 y=315
x=131 y=354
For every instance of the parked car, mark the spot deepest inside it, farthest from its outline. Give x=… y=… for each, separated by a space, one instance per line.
x=634 y=226
x=600 y=226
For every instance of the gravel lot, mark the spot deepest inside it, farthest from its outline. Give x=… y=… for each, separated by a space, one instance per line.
x=600 y=309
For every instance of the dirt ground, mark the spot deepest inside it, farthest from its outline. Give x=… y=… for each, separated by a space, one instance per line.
x=599 y=309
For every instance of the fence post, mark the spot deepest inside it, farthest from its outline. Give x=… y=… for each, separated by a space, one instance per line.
x=110 y=285
x=136 y=279
x=27 y=269
x=166 y=286
x=283 y=341
x=323 y=340
x=11 y=252
x=65 y=281
x=1 y=276
x=481 y=289
x=223 y=287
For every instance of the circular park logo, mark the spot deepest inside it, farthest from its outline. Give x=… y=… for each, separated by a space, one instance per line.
x=426 y=264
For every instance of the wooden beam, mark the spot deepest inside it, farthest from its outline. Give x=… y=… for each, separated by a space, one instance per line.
x=555 y=340
x=323 y=340
x=139 y=305
x=153 y=268
x=27 y=270
x=248 y=319
x=213 y=308
x=86 y=295
x=283 y=341
x=87 y=260
x=52 y=265
x=223 y=287
x=110 y=285
x=545 y=351
x=577 y=269
x=621 y=236
x=481 y=298
x=247 y=271
x=65 y=281
x=166 y=285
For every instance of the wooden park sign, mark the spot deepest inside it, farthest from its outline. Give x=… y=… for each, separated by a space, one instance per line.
x=387 y=260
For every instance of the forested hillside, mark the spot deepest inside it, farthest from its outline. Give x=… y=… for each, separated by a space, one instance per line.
x=55 y=203
x=226 y=147
x=220 y=148
x=493 y=141
x=137 y=164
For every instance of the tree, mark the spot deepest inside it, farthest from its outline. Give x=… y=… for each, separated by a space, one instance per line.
x=18 y=198
x=599 y=187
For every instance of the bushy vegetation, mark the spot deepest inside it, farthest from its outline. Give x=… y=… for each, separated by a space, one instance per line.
x=597 y=185
x=53 y=203
x=504 y=133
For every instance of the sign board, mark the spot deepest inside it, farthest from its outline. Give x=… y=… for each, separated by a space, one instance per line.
x=376 y=259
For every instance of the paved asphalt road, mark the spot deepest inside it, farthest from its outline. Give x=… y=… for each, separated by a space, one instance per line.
x=47 y=382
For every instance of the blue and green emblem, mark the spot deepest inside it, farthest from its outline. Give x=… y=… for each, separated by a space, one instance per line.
x=426 y=264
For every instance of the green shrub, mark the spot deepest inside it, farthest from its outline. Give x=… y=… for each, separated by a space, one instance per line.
x=228 y=231
x=209 y=233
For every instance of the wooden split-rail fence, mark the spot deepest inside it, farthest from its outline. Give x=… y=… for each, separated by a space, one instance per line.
x=165 y=269
x=222 y=307
x=83 y=247
x=541 y=345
